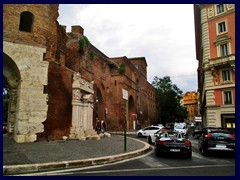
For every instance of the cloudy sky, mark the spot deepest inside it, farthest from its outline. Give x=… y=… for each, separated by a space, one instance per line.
x=162 y=33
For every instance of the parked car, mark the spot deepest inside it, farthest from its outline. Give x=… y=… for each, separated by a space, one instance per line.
x=180 y=127
x=5 y=129
x=148 y=130
x=192 y=124
x=172 y=142
x=197 y=134
x=216 y=139
x=169 y=125
x=152 y=137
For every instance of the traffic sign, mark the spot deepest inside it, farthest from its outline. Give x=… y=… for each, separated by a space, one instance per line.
x=125 y=94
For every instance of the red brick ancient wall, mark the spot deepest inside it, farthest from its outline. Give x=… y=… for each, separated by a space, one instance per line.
x=59 y=115
x=44 y=29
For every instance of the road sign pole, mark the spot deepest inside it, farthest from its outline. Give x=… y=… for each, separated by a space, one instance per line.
x=125 y=98
x=125 y=136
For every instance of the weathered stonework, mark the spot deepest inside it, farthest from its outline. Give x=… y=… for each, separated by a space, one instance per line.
x=45 y=102
x=31 y=102
x=82 y=110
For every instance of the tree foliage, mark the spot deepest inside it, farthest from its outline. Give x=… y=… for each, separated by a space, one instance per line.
x=168 y=97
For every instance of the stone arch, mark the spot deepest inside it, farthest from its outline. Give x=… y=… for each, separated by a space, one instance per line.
x=99 y=106
x=131 y=109
x=26 y=74
x=12 y=79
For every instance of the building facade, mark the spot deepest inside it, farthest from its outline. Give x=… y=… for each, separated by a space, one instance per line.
x=40 y=63
x=215 y=51
x=190 y=101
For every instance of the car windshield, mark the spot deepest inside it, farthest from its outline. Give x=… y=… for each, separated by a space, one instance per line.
x=172 y=134
x=179 y=126
x=169 y=135
x=217 y=134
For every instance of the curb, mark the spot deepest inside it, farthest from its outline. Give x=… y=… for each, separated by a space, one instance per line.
x=31 y=168
x=121 y=132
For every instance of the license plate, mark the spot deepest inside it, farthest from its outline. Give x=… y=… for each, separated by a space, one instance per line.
x=175 y=150
x=220 y=146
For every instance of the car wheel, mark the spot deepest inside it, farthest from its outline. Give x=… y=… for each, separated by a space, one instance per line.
x=204 y=151
x=139 y=134
x=189 y=154
x=158 y=153
x=150 y=140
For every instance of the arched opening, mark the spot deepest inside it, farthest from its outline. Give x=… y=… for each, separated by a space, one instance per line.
x=99 y=108
x=11 y=82
x=131 y=113
x=26 y=21
x=5 y=105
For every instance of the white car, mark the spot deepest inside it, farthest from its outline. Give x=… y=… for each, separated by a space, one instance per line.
x=148 y=130
x=180 y=128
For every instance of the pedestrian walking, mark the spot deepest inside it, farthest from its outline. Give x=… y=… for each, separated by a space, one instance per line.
x=139 y=126
x=98 y=126
x=103 y=125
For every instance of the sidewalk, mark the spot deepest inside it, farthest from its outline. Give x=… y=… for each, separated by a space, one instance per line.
x=59 y=154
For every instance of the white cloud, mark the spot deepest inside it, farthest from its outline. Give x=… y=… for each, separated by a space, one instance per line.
x=162 y=33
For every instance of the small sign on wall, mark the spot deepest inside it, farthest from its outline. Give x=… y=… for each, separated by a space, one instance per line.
x=125 y=94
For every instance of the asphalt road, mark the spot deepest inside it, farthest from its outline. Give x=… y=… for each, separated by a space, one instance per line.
x=217 y=164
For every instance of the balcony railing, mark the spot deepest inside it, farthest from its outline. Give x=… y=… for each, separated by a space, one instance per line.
x=221 y=60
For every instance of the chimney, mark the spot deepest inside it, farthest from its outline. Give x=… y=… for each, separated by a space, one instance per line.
x=77 y=30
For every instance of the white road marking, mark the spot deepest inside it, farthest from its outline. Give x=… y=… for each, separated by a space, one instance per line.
x=153 y=163
x=152 y=169
x=199 y=156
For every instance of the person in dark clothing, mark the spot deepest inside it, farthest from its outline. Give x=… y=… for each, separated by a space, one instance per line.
x=139 y=127
x=98 y=126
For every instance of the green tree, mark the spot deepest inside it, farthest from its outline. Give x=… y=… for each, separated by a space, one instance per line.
x=168 y=97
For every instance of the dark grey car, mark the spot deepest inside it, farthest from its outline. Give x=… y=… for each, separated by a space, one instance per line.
x=216 y=139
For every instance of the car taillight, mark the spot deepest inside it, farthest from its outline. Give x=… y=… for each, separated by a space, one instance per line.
x=207 y=136
x=187 y=143
x=161 y=142
x=232 y=137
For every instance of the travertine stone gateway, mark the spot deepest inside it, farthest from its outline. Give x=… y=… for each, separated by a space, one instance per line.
x=27 y=119
x=82 y=110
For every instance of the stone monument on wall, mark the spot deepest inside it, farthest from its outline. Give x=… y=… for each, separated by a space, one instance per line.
x=82 y=110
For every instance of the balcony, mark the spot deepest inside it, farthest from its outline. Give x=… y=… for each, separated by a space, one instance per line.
x=222 y=61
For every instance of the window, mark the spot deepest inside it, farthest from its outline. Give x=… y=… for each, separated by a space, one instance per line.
x=226 y=75
x=224 y=49
x=222 y=27
x=220 y=8
x=227 y=97
x=26 y=21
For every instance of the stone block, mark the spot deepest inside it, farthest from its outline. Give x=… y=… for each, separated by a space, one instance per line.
x=107 y=134
x=72 y=136
x=30 y=137
x=19 y=138
x=81 y=138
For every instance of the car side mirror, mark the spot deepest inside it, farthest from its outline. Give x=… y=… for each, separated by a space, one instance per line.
x=156 y=135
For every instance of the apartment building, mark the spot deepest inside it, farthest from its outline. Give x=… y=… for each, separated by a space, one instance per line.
x=190 y=101
x=215 y=52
